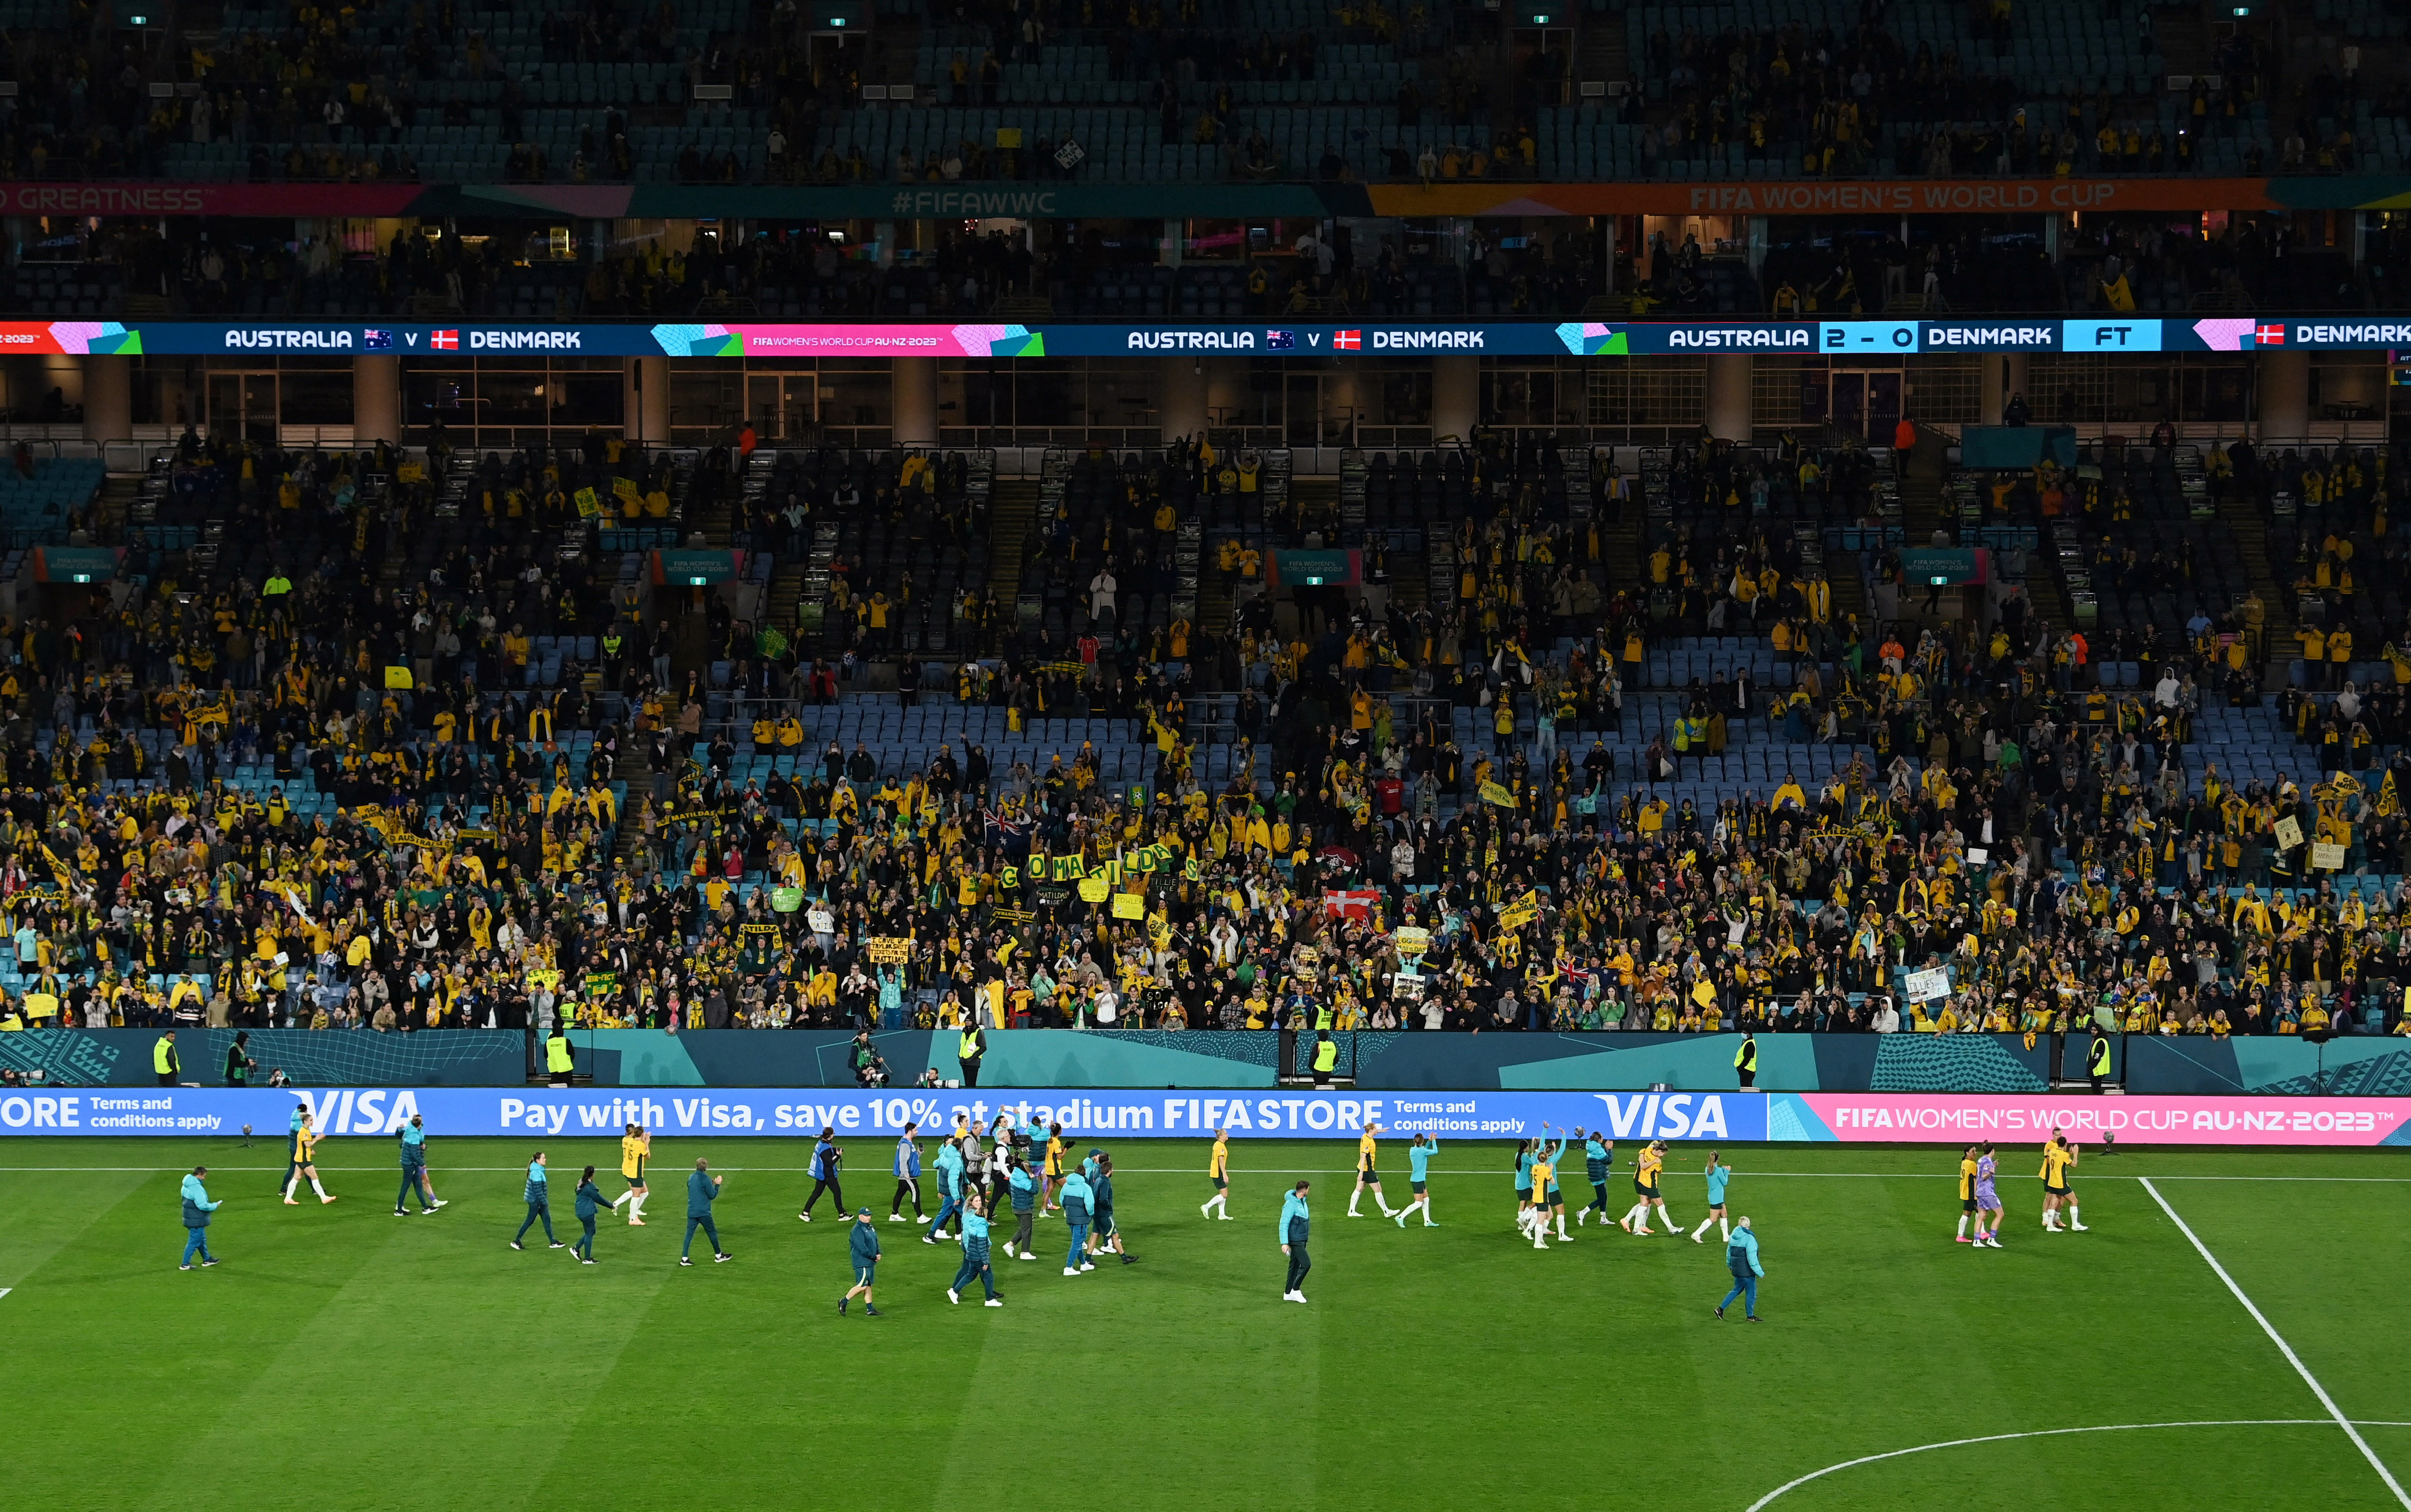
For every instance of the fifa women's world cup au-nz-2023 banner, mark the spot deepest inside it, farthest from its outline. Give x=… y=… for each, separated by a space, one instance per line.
x=1726 y=1116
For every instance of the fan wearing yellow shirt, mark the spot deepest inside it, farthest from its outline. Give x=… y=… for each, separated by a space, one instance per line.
x=1645 y=1185
x=635 y=1148
x=1219 y=1171
x=305 y=1145
x=1367 y=1174
x=2058 y=1185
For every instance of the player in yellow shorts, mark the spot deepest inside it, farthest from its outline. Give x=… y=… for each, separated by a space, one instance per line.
x=635 y=1148
x=1368 y=1174
x=1645 y=1187
x=1056 y=1150
x=2058 y=1183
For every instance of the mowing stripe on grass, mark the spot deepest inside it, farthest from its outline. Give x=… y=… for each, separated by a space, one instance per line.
x=2055 y=1432
x=2283 y=1348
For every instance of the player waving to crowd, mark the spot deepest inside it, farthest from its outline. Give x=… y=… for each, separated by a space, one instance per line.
x=1368 y=1174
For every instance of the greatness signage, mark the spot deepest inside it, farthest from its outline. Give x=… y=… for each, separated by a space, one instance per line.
x=1732 y=1116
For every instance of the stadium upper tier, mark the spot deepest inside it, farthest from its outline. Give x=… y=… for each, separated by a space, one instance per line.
x=1287 y=90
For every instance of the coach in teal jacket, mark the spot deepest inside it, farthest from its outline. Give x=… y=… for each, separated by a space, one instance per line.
x=702 y=1188
x=197 y=1208
x=1741 y=1259
x=1293 y=1230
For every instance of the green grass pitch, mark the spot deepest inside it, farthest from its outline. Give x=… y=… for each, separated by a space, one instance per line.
x=343 y=1358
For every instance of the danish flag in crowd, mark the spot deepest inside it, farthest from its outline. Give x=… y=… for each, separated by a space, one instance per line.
x=2268 y=335
x=444 y=340
x=1348 y=341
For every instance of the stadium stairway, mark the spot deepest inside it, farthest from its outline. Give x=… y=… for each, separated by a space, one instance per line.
x=1013 y=508
x=1214 y=611
x=116 y=502
x=1921 y=508
x=1850 y=589
x=2047 y=587
x=787 y=590
x=1602 y=56
x=1621 y=546
x=2241 y=518
x=1317 y=497
x=2183 y=33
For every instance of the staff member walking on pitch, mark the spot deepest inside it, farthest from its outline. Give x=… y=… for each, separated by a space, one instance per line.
x=975 y=1265
x=197 y=1208
x=1741 y=1259
x=1025 y=1203
x=414 y=1170
x=1076 y=1217
x=1293 y=1241
x=539 y=1204
x=862 y=1252
x=590 y=1202
x=828 y=1154
x=702 y=1189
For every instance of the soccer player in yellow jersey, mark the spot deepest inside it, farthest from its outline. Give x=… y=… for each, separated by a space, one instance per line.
x=635 y=1148
x=1544 y=1170
x=1967 y=1196
x=1644 y=1186
x=305 y=1146
x=1056 y=1149
x=1218 y=1169
x=2058 y=1183
x=1367 y=1174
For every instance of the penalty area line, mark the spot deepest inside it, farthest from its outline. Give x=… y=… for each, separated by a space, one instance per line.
x=1797 y=1482
x=2283 y=1348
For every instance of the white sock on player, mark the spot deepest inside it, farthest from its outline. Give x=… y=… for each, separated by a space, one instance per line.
x=1963 y=1225
x=316 y=1187
x=2073 y=1221
x=290 y=1187
x=1724 y=1226
x=1671 y=1227
x=1561 y=1227
x=1699 y=1233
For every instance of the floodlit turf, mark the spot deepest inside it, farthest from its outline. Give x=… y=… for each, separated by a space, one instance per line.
x=344 y=1357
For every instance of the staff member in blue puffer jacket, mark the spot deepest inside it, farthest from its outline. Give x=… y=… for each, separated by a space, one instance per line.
x=1741 y=1259
x=1075 y=1197
x=974 y=1228
x=197 y=1208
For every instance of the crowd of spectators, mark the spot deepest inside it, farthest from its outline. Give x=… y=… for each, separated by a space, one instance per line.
x=222 y=809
